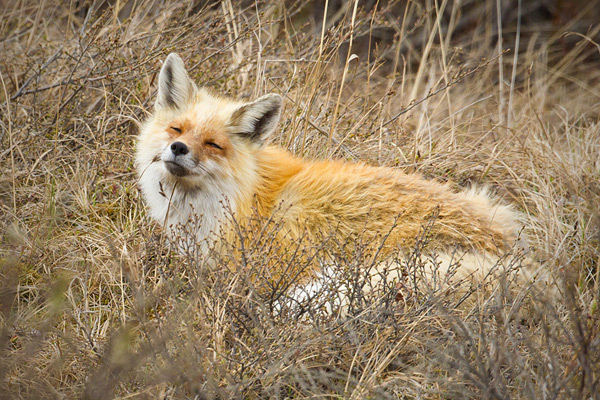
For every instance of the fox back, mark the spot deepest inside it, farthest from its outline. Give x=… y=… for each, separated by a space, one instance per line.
x=200 y=155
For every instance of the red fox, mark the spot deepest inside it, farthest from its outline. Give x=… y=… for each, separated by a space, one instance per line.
x=199 y=151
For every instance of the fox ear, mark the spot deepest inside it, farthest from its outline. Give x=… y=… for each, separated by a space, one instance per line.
x=175 y=88
x=257 y=120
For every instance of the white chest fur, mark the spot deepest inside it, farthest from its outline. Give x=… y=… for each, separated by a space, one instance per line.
x=198 y=212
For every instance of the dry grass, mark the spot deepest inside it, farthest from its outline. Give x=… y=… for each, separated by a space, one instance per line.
x=94 y=303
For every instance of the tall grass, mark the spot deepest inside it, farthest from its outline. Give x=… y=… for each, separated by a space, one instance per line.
x=96 y=303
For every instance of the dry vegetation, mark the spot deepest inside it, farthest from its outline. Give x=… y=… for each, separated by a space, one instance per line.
x=94 y=303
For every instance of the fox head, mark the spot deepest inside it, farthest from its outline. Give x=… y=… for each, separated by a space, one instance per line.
x=196 y=139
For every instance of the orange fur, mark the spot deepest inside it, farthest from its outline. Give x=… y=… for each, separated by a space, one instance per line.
x=357 y=199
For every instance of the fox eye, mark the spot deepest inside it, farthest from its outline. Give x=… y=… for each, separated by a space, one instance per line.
x=212 y=144
x=175 y=129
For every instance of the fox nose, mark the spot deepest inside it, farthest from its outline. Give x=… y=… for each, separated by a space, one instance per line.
x=179 y=149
